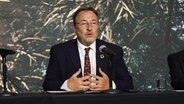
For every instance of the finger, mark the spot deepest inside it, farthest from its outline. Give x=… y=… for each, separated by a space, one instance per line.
x=92 y=75
x=86 y=83
x=85 y=78
x=101 y=72
x=95 y=87
x=95 y=84
x=93 y=81
x=84 y=88
x=77 y=73
x=95 y=76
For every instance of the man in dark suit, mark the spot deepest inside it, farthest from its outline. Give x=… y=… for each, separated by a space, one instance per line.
x=176 y=65
x=66 y=65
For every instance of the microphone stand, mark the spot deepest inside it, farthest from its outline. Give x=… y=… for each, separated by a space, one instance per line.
x=111 y=90
x=5 y=91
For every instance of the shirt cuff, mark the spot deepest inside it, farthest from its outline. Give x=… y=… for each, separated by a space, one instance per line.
x=113 y=85
x=65 y=87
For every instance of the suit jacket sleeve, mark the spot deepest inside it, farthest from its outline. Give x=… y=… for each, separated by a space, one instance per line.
x=121 y=76
x=176 y=65
x=53 y=80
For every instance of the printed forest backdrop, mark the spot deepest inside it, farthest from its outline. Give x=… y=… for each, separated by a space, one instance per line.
x=147 y=30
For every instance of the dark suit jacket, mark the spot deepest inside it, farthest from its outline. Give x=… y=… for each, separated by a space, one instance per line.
x=176 y=65
x=64 y=62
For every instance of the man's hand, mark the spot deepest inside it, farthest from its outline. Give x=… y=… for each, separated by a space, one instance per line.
x=75 y=83
x=99 y=83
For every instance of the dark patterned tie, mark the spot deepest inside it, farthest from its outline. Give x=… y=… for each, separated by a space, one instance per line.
x=87 y=66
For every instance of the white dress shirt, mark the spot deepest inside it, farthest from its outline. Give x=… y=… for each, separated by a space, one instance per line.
x=92 y=56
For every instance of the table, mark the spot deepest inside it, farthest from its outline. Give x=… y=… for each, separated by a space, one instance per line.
x=165 y=97
x=28 y=98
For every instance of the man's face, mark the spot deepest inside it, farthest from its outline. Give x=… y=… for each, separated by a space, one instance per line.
x=86 y=27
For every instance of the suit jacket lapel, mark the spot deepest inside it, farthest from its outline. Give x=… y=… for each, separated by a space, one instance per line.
x=74 y=54
x=101 y=59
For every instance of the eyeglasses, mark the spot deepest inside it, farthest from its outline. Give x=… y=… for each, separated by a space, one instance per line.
x=85 y=23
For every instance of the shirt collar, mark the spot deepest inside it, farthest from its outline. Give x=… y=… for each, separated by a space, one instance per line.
x=82 y=47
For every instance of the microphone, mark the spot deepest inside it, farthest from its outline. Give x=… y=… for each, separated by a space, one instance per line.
x=106 y=50
x=5 y=52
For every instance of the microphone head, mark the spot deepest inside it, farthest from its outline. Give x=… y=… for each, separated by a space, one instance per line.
x=101 y=48
x=106 y=50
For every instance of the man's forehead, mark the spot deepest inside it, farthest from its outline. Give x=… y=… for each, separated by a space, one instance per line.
x=86 y=13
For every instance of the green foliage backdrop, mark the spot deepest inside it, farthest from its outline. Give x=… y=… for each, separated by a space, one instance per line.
x=147 y=30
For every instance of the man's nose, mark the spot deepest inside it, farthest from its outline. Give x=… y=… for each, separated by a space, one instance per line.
x=89 y=26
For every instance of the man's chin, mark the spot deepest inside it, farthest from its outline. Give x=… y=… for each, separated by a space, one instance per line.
x=89 y=42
